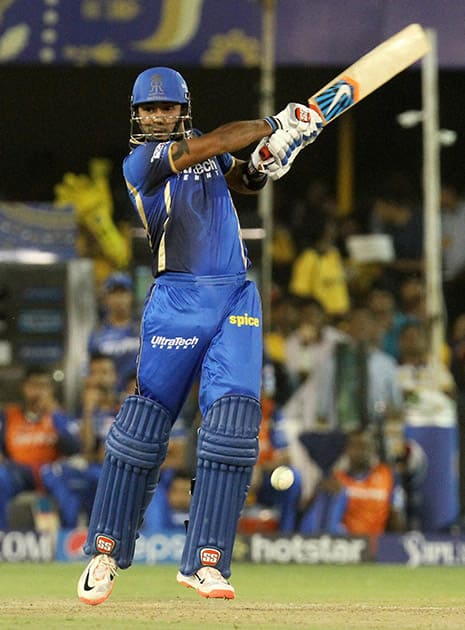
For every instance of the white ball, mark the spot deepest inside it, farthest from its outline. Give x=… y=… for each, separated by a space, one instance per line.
x=282 y=478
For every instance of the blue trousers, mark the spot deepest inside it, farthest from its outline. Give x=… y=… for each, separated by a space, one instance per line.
x=200 y=325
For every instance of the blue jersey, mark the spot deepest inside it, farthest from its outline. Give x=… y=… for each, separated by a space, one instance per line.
x=189 y=216
x=201 y=314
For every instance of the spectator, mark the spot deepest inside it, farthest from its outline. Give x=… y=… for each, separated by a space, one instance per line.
x=283 y=322
x=412 y=304
x=318 y=200
x=389 y=320
x=100 y=403
x=73 y=481
x=283 y=246
x=33 y=433
x=453 y=234
x=414 y=369
x=313 y=336
x=118 y=334
x=360 y=497
x=412 y=297
x=318 y=271
x=396 y=212
x=101 y=236
x=309 y=348
x=360 y=385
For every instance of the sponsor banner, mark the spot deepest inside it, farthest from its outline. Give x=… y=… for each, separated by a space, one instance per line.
x=412 y=549
x=213 y=33
x=160 y=548
x=165 y=548
x=70 y=543
x=38 y=226
x=416 y=549
x=297 y=549
x=26 y=547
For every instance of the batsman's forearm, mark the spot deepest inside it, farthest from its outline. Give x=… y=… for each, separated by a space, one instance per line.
x=238 y=135
x=228 y=138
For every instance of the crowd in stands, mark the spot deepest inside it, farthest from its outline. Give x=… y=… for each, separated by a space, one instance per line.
x=346 y=370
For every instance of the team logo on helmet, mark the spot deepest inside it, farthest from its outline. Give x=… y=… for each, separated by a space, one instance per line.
x=156 y=86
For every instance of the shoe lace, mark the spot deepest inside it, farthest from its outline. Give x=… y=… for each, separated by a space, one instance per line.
x=106 y=563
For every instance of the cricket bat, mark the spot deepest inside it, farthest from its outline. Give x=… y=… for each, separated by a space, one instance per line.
x=370 y=72
x=366 y=75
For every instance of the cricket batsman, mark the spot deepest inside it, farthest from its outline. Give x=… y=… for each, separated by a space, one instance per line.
x=202 y=317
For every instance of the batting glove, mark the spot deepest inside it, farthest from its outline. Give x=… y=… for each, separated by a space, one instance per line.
x=274 y=155
x=299 y=117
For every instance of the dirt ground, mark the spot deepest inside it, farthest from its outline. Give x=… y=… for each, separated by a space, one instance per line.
x=204 y=615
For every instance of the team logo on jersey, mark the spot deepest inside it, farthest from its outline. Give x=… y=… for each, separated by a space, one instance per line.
x=209 y=556
x=244 y=320
x=207 y=167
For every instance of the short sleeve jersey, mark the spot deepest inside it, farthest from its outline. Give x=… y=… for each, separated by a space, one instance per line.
x=189 y=216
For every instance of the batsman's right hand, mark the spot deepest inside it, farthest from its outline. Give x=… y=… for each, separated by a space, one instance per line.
x=300 y=118
x=274 y=155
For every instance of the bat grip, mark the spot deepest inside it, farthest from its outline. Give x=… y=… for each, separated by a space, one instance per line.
x=265 y=153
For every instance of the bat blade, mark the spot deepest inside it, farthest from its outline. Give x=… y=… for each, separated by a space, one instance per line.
x=370 y=72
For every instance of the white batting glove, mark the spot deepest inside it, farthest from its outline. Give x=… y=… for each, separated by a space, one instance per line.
x=299 y=117
x=274 y=155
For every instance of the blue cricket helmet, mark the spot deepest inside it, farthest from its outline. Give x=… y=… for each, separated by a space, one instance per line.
x=160 y=84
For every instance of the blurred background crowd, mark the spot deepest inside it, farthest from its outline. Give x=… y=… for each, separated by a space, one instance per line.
x=352 y=405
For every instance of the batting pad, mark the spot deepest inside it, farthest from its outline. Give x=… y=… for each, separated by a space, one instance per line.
x=134 y=451
x=226 y=453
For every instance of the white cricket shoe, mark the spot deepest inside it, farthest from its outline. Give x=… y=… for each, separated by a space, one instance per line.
x=97 y=580
x=208 y=582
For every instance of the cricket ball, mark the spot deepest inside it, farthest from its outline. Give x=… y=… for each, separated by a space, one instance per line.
x=282 y=478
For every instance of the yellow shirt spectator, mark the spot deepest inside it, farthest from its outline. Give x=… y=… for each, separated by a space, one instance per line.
x=321 y=276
